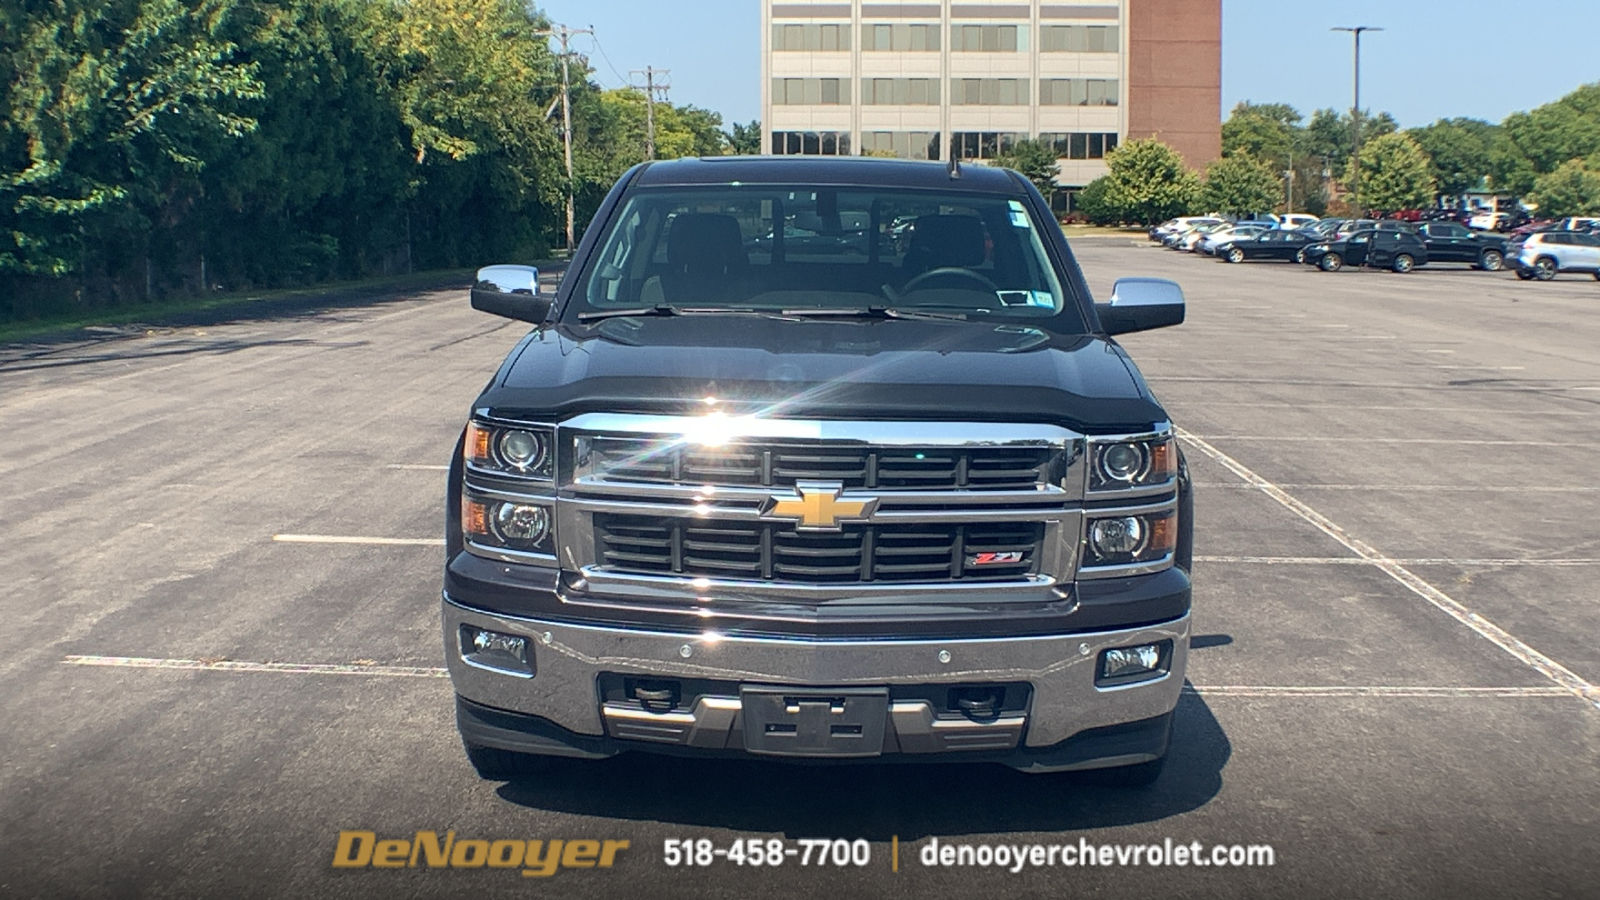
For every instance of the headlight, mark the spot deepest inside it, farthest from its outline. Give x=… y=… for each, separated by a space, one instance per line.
x=509 y=524
x=1125 y=464
x=523 y=451
x=1126 y=540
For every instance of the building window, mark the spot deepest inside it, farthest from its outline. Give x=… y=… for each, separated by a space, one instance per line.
x=904 y=144
x=1080 y=145
x=988 y=38
x=983 y=144
x=1078 y=91
x=811 y=143
x=811 y=37
x=899 y=92
x=900 y=37
x=810 y=91
x=988 y=92
x=1079 y=38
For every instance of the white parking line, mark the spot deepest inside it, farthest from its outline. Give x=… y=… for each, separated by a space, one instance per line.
x=1388 y=488
x=356 y=539
x=228 y=665
x=1501 y=638
x=1345 y=439
x=428 y=466
x=1358 y=561
x=1250 y=690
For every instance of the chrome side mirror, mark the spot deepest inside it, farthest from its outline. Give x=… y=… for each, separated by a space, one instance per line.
x=1140 y=304
x=510 y=291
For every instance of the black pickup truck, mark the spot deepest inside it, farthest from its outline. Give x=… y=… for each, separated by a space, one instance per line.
x=1451 y=242
x=898 y=495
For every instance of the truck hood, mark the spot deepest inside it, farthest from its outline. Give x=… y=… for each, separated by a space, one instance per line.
x=825 y=368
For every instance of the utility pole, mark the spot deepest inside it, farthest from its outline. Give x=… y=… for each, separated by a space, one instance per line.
x=1355 y=119
x=564 y=34
x=650 y=87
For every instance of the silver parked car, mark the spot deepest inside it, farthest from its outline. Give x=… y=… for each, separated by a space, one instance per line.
x=1543 y=254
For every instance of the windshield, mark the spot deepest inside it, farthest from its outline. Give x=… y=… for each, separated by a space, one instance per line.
x=770 y=248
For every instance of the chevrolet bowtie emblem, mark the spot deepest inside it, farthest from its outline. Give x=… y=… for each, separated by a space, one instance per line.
x=815 y=506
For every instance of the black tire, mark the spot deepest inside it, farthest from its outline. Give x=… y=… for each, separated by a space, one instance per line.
x=1235 y=255
x=494 y=764
x=1492 y=261
x=1545 y=268
x=1330 y=262
x=1597 y=276
x=1525 y=274
x=1403 y=263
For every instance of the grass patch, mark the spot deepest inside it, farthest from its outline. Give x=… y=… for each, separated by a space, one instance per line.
x=1073 y=231
x=244 y=302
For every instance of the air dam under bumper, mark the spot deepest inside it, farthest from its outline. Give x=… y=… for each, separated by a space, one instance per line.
x=1069 y=722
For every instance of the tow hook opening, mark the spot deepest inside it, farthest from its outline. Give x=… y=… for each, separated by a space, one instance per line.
x=977 y=703
x=653 y=694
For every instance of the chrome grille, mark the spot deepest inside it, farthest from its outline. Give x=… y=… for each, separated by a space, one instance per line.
x=898 y=552
x=645 y=460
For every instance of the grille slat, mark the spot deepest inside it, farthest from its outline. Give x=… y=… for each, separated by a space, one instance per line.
x=908 y=553
x=781 y=465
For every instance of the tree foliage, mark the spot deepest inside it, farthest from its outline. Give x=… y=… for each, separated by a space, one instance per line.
x=1572 y=189
x=745 y=140
x=1395 y=174
x=1035 y=161
x=1148 y=182
x=1239 y=185
x=1460 y=152
x=159 y=147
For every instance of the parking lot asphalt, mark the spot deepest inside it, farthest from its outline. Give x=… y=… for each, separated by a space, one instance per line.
x=220 y=545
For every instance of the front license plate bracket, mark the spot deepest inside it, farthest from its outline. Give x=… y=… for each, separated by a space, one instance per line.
x=784 y=721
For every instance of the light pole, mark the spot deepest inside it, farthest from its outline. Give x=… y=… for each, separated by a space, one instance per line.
x=1355 y=119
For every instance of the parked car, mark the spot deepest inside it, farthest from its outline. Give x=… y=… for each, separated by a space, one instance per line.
x=1192 y=239
x=1291 y=221
x=1490 y=221
x=1178 y=240
x=1401 y=251
x=1449 y=242
x=1208 y=244
x=1324 y=227
x=1545 y=254
x=1181 y=223
x=1280 y=243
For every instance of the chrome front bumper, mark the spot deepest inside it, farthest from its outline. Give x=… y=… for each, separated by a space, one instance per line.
x=568 y=660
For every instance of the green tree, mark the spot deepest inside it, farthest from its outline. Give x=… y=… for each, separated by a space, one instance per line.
x=1395 y=174
x=1240 y=184
x=1265 y=131
x=1035 y=160
x=745 y=140
x=1539 y=141
x=1330 y=136
x=1096 y=203
x=109 y=107
x=1460 y=152
x=1149 y=182
x=1573 y=189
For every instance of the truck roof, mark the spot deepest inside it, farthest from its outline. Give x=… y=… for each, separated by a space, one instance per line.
x=864 y=171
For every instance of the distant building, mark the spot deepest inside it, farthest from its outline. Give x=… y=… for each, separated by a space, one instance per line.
x=922 y=80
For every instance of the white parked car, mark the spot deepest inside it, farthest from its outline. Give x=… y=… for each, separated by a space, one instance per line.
x=1292 y=221
x=1489 y=221
x=1209 y=243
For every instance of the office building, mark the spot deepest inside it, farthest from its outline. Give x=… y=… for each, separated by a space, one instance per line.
x=923 y=80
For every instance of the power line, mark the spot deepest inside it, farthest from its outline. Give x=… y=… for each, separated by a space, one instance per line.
x=595 y=39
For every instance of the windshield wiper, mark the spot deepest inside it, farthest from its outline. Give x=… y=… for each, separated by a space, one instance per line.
x=660 y=309
x=877 y=312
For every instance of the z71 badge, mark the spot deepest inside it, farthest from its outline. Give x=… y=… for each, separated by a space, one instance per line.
x=990 y=559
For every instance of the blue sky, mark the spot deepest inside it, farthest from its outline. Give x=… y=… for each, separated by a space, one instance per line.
x=1435 y=58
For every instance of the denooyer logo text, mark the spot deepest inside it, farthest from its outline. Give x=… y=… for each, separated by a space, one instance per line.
x=426 y=849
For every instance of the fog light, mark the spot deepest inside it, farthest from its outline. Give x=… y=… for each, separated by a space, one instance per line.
x=521 y=524
x=1114 y=537
x=496 y=650
x=1123 y=664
